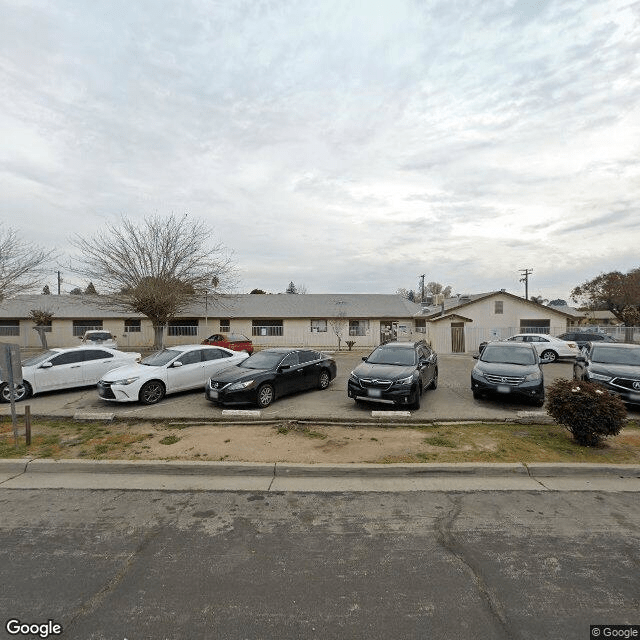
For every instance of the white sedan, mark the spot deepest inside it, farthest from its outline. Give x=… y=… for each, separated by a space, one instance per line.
x=179 y=368
x=547 y=346
x=65 y=369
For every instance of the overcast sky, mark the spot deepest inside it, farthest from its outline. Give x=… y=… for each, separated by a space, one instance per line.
x=348 y=146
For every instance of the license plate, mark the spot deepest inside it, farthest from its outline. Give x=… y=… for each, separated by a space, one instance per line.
x=374 y=393
x=503 y=388
x=213 y=394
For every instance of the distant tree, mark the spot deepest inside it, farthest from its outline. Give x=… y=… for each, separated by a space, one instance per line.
x=77 y=291
x=22 y=264
x=42 y=319
x=558 y=302
x=258 y=291
x=157 y=267
x=538 y=299
x=90 y=290
x=46 y=291
x=616 y=292
x=291 y=288
x=435 y=288
x=409 y=294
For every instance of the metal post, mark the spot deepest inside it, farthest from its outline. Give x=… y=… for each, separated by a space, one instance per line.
x=27 y=425
x=12 y=395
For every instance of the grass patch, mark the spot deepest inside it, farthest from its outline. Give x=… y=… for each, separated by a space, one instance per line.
x=170 y=440
x=284 y=429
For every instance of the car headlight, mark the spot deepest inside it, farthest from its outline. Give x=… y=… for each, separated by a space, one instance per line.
x=536 y=375
x=599 y=376
x=354 y=377
x=238 y=386
x=407 y=380
x=125 y=381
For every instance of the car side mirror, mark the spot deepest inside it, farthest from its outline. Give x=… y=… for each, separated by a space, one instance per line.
x=177 y=364
x=364 y=358
x=476 y=356
x=46 y=365
x=284 y=367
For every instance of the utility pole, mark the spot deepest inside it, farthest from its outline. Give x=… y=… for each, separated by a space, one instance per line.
x=59 y=282
x=422 y=294
x=525 y=278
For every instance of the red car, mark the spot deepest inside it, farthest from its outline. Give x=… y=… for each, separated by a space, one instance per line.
x=234 y=341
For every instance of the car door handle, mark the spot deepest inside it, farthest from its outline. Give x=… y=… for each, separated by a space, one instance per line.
x=75 y=366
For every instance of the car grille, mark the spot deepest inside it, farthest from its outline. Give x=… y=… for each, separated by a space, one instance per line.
x=512 y=380
x=372 y=383
x=104 y=390
x=633 y=384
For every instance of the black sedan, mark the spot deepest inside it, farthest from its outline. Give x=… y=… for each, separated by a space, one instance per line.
x=509 y=368
x=615 y=366
x=585 y=338
x=270 y=374
x=395 y=373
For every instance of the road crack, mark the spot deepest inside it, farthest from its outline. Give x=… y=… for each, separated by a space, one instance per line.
x=446 y=538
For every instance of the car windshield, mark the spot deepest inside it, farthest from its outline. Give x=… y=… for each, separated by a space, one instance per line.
x=517 y=355
x=393 y=355
x=41 y=357
x=98 y=336
x=263 y=360
x=160 y=358
x=609 y=355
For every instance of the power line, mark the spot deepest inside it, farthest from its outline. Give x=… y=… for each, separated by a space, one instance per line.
x=525 y=278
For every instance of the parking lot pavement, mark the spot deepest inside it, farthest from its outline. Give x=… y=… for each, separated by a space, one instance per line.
x=452 y=400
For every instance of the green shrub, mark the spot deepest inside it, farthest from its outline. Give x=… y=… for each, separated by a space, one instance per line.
x=586 y=409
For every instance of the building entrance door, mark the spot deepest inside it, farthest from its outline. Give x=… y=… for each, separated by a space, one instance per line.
x=457 y=337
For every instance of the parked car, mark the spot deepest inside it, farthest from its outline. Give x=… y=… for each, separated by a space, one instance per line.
x=180 y=368
x=233 y=341
x=395 y=373
x=585 y=338
x=99 y=338
x=509 y=368
x=66 y=369
x=270 y=374
x=615 y=366
x=548 y=347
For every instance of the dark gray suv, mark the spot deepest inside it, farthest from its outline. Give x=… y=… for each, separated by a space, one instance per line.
x=395 y=373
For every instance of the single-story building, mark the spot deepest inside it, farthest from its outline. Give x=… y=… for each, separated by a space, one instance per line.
x=315 y=320
x=459 y=324
x=454 y=325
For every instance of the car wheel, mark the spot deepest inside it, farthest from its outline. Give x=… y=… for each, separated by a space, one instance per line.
x=151 y=392
x=538 y=402
x=434 y=382
x=265 y=395
x=22 y=392
x=550 y=355
x=324 y=380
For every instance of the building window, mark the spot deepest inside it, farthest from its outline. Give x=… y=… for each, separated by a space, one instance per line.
x=80 y=326
x=9 y=327
x=132 y=325
x=267 y=328
x=498 y=307
x=225 y=325
x=183 y=327
x=421 y=326
x=318 y=326
x=358 y=327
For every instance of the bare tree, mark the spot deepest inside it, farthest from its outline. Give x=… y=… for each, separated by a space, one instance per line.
x=22 y=264
x=42 y=319
x=157 y=267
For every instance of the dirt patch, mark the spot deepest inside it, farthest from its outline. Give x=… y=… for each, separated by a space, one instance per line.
x=302 y=443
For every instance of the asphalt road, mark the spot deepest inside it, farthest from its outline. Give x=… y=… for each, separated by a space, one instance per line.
x=248 y=565
x=452 y=400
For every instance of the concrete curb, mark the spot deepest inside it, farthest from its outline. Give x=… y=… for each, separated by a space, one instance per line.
x=292 y=470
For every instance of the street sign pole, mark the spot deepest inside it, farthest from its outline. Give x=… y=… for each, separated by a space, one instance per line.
x=11 y=371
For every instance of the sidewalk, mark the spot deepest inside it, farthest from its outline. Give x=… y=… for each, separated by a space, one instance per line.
x=149 y=475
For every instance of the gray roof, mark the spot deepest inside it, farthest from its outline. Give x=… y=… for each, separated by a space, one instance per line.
x=353 y=305
x=456 y=303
